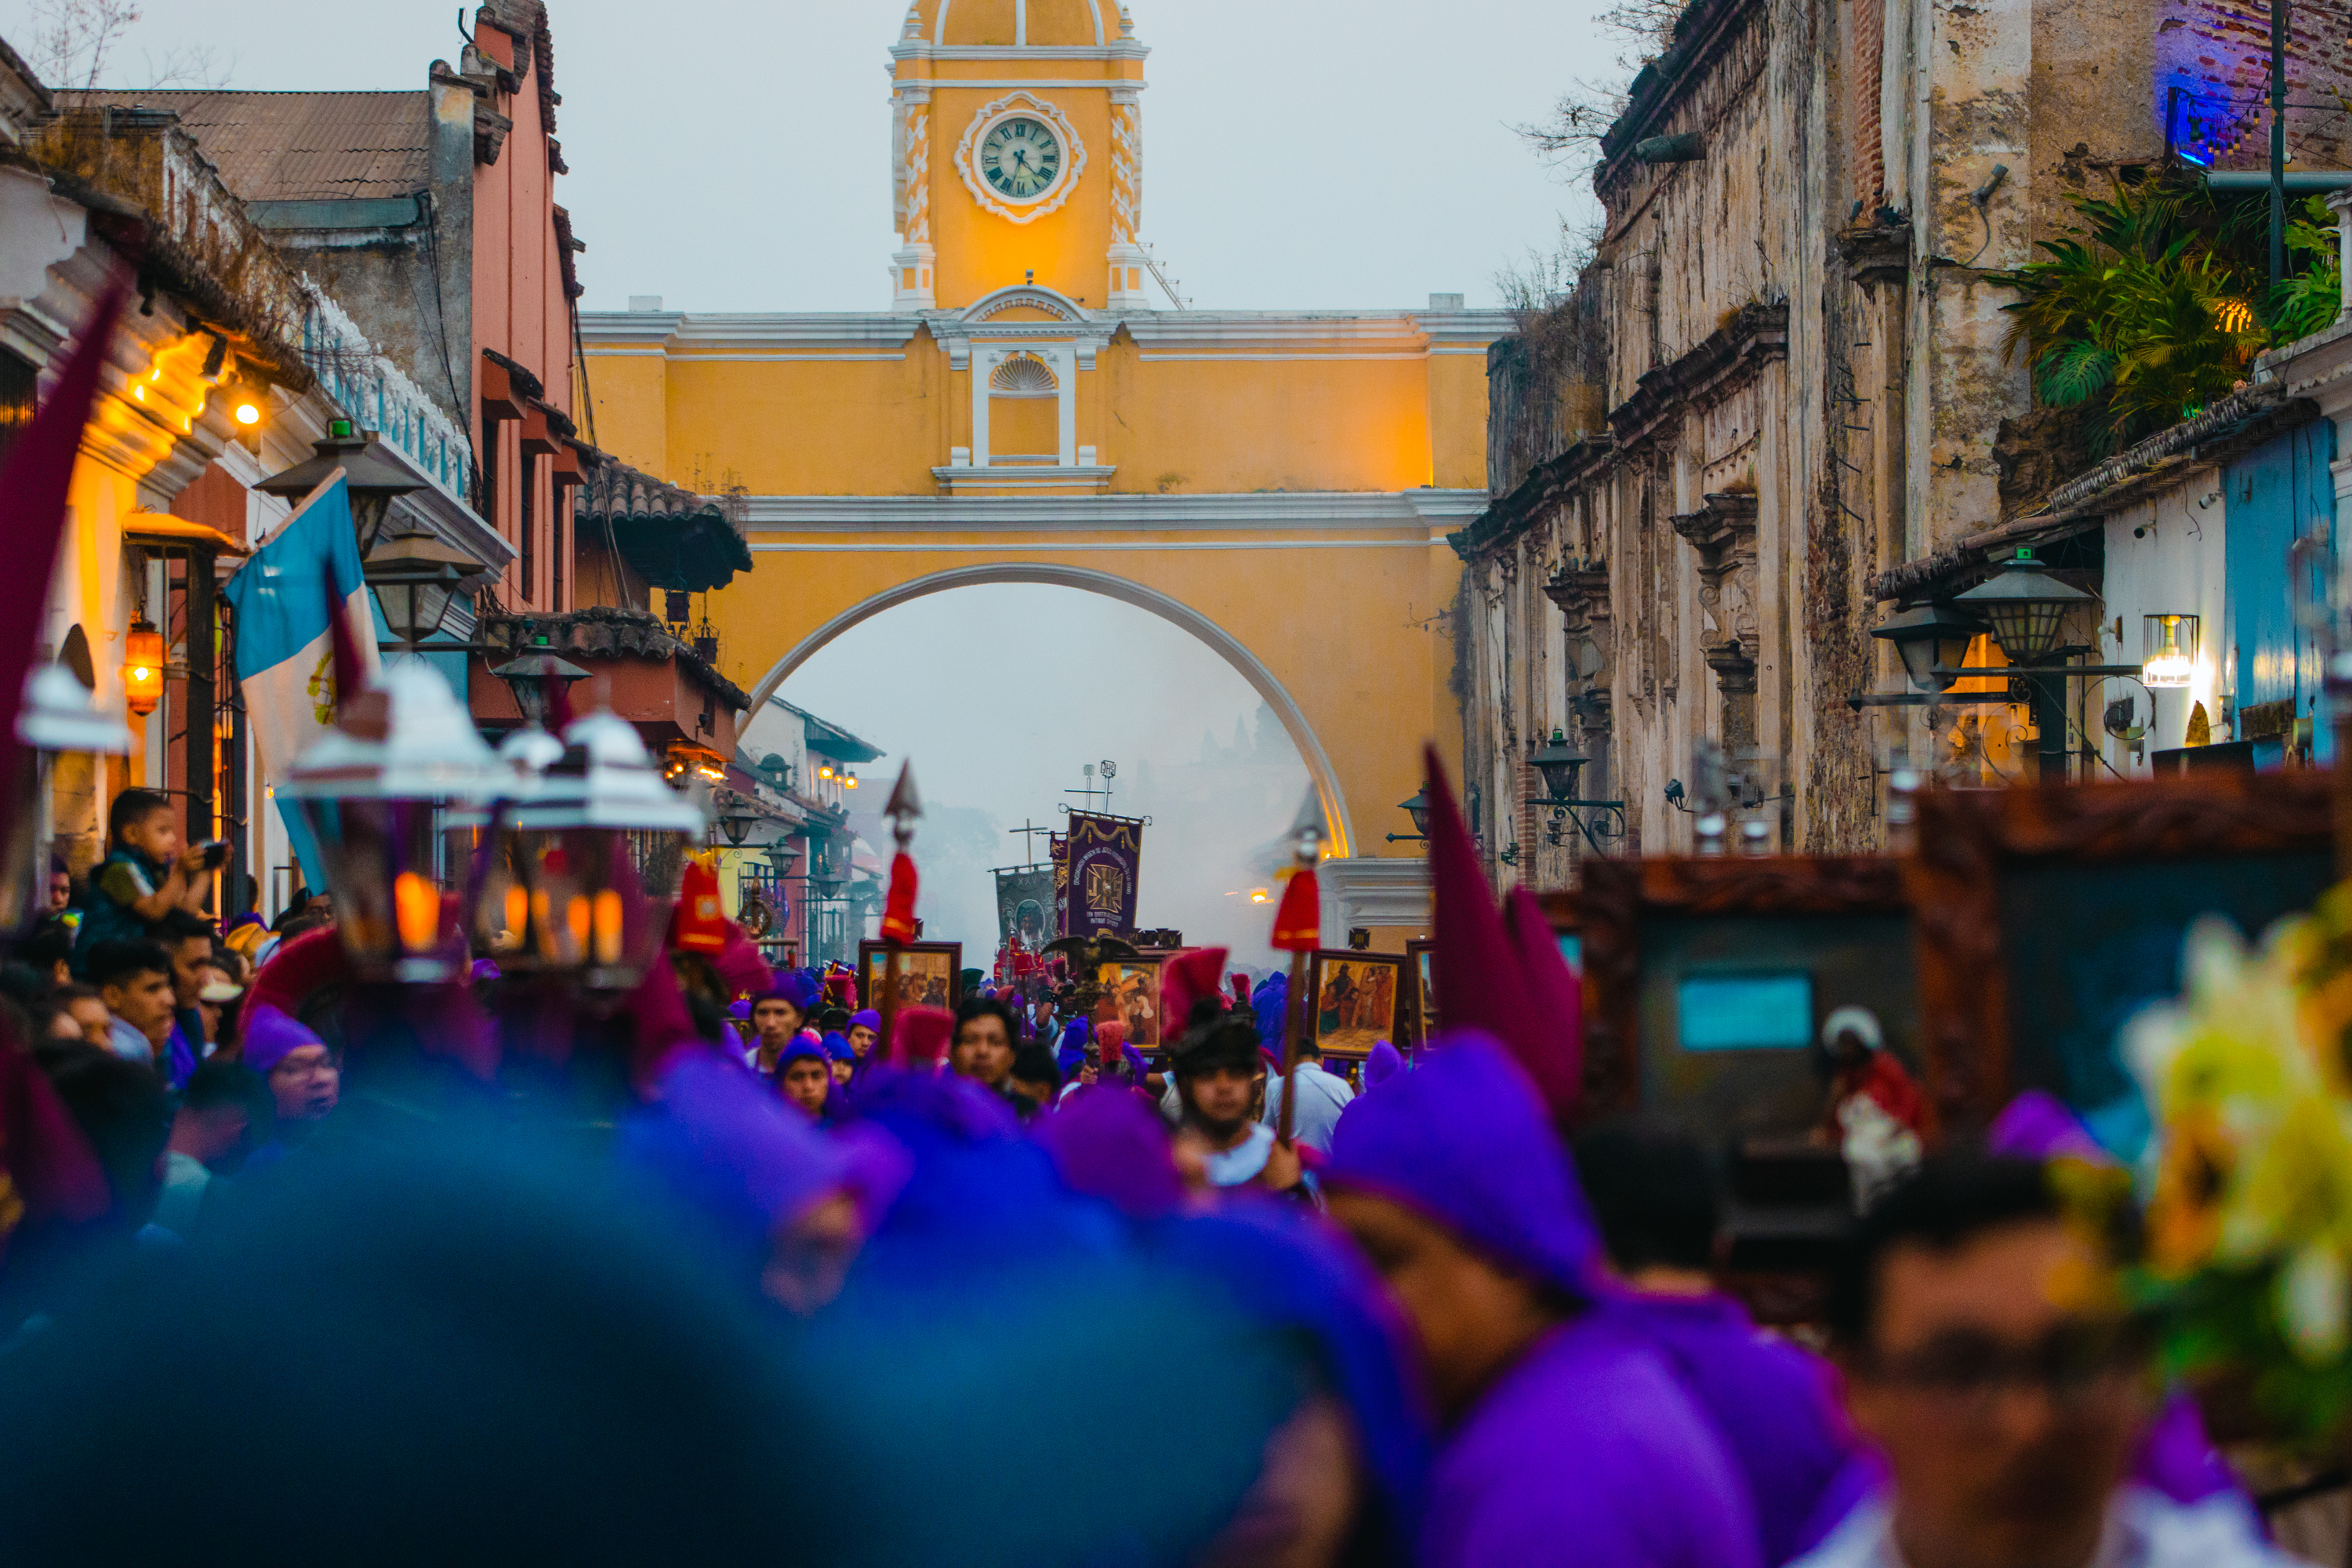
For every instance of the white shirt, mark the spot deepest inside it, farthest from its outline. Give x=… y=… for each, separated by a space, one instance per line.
x=1321 y=1096
x=2145 y=1530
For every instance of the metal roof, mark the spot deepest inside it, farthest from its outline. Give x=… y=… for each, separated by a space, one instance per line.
x=300 y=147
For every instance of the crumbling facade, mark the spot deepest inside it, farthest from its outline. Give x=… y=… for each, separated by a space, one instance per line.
x=1782 y=374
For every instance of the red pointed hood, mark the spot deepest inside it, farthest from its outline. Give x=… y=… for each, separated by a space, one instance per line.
x=1478 y=966
x=1552 y=1051
x=1188 y=978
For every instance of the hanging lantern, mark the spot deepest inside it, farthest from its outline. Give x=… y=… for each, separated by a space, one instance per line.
x=2025 y=606
x=592 y=856
x=142 y=668
x=373 y=793
x=59 y=716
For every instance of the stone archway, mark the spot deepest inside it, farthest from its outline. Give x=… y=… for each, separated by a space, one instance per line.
x=1339 y=826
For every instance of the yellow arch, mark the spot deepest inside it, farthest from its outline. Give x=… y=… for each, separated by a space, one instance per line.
x=1338 y=824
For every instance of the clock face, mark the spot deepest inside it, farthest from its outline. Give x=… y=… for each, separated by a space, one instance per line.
x=1019 y=158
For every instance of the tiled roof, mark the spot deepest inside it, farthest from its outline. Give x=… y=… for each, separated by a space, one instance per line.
x=301 y=146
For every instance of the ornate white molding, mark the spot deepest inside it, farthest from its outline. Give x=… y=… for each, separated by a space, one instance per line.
x=1126 y=169
x=1413 y=514
x=966 y=156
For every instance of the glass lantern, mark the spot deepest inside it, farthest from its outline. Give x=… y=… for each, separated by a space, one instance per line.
x=373 y=793
x=2025 y=606
x=2168 y=650
x=59 y=715
x=592 y=856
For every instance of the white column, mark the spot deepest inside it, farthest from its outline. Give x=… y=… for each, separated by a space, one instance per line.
x=2340 y=203
x=983 y=366
x=1065 y=371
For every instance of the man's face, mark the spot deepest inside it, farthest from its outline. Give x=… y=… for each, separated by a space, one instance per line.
x=96 y=1023
x=982 y=1052
x=1470 y=1317
x=777 y=1022
x=192 y=957
x=144 y=1002
x=1221 y=1097
x=806 y=1080
x=862 y=1040
x=844 y=1071
x=307 y=1084
x=216 y=1136
x=60 y=892
x=2007 y=1409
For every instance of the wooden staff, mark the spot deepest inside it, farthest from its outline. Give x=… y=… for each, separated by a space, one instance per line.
x=1296 y=1020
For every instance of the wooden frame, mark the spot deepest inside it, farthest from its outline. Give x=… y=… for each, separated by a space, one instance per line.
x=1607 y=913
x=1420 y=978
x=1352 y=1040
x=921 y=964
x=1147 y=1025
x=1976 y=849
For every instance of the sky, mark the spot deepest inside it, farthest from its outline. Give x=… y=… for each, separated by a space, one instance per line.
x=1001 y=694
x=734 y=154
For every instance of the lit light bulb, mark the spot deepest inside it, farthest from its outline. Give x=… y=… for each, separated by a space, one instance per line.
x=417 y=912
x=607 y=922
x=247 y=411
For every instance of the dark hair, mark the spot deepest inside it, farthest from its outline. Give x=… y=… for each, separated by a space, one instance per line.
x=48 y=947
x=178 y=925
x=1228 y=1044
x=131 y=807
x=123 y=1109
x=303 y=924
x=22 y=984
x=219 y=1082
x=1035 y=1063
x=112 y=962
x=1949 y=1200
x=833 y=1020
x=974 y=1005
x=1652 y=1194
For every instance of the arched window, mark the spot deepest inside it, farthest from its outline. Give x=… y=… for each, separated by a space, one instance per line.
x=1023 y=376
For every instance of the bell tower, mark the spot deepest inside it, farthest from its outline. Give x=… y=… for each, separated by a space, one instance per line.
x=1017 y=152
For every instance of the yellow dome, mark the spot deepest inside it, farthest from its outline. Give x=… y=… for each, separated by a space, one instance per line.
x=1035 y=23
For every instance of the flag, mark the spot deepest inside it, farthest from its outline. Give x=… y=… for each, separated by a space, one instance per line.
x=1298 y=918
x=285 y=642
x=34 y=485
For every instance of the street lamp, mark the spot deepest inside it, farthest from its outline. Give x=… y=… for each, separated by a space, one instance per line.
x=416 y=596
x=535 y=677
x=1933 y=640
x=370 y=792
x=2024 y=605
x=373 y=478
x=1558 y=765
x=142 y=667
x=1416 y=808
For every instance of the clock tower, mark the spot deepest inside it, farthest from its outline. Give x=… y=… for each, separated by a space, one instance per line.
x=1017 y=152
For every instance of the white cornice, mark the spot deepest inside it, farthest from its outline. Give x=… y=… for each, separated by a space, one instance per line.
x=1005 y=84
x=919 y=50
x=674 y=332
x=1238 y=335
x=1295 y=510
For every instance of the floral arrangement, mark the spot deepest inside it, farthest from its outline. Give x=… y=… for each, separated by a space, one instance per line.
x=2248 y=1258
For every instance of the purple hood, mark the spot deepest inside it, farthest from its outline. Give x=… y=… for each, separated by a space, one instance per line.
x=1464 y=1140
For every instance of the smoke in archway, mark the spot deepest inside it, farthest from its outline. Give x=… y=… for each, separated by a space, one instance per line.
x=1003 y=693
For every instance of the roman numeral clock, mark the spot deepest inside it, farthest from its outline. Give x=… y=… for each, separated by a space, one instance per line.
x=1021 y=159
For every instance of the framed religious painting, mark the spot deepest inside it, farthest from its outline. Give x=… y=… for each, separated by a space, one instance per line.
x=1707 y=983
x=932 y=976
x=2048 y=917
x=1131 y=996
x=1421 y=983
x=1355 y=999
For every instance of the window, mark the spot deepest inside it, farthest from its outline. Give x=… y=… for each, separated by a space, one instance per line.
x=526 y=535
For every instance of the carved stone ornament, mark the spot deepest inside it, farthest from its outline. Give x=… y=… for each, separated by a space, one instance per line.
x=1723 y=532
x=966 y=156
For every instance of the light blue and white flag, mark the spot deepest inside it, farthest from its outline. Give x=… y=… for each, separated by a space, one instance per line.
x=285 y=651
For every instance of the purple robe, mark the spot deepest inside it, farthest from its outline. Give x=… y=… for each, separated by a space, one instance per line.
x=1586 y=1453
x=1773 y=1403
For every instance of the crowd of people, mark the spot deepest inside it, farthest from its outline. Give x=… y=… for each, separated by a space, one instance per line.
x=734 y=1267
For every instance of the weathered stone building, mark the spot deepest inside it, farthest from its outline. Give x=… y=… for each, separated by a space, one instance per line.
x=1782 y=374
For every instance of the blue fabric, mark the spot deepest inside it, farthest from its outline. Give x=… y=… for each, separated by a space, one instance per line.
x=103 y=919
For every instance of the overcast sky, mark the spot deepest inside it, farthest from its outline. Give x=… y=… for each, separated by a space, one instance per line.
x=734 y=154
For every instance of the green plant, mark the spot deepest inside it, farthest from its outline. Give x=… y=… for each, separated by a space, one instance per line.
x=2157 y=302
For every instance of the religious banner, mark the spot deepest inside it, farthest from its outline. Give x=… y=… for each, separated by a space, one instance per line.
x=1024 y=907
x=1104 y=858
x=1057 y=850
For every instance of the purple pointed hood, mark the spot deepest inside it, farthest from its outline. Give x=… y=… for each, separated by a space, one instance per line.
x=1464 y=1140
x=1107 y=1144
x=1385 y=1062
x=722 y=1142
x=2037 y=1125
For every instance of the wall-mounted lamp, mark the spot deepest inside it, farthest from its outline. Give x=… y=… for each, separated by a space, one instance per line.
x=142 y=668
x=1417 y=808
x=2167 y=649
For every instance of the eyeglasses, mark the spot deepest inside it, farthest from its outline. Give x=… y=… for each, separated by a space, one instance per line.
x=1970 y=1371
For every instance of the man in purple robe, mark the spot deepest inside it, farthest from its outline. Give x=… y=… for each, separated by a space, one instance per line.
x=1569 y=1441
x=1773 y=1403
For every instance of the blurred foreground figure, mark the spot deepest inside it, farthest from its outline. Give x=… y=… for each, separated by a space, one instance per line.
x=1571 y=1443
x=1988 y=1357
x=1654 y=1196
